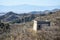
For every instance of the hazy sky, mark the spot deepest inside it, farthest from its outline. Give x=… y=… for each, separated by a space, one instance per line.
x=30 y=2
x=42 y=3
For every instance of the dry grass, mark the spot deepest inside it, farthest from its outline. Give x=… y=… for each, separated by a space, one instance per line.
x=25 y=32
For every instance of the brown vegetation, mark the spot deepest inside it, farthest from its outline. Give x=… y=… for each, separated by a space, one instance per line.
x=23 y=31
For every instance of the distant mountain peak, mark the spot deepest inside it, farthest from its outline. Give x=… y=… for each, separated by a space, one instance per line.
x=10 y=13
x=54 y=10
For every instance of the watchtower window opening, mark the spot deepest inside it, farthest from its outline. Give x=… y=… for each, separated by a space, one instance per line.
x=39 y=27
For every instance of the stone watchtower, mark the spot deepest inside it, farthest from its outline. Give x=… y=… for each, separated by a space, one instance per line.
x=37 y=25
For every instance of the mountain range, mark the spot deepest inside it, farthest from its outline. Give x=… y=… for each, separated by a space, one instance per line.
x=24 y=17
